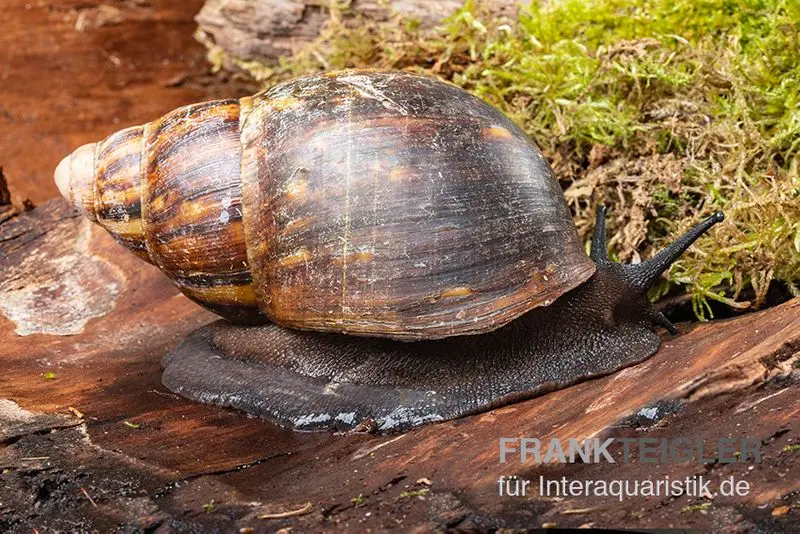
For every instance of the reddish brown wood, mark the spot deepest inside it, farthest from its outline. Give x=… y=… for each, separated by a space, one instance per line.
x=73 y=72
x=728 y=378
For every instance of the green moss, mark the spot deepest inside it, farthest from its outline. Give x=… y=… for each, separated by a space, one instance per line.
x=413 y=493
x=664 y=109
x=703 y=508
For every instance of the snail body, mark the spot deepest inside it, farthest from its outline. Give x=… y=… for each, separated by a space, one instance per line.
x=391 y=206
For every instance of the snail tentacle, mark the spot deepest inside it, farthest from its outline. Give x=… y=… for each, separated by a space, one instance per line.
x=660 y=319
x=638 y=278
x=599 y=253
x=646 y=273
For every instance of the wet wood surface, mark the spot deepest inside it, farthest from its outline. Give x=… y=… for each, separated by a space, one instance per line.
x=89 y=439
x=92 y=439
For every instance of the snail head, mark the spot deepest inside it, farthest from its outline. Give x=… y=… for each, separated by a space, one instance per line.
x=631 y=282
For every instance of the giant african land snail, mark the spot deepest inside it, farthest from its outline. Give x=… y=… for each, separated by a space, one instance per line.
x=392 y=207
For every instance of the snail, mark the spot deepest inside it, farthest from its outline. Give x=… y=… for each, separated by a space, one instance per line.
x=388 y=250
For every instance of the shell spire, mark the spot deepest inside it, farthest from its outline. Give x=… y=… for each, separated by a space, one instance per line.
x=74 y=177
x=169 y=191
x=103 y=181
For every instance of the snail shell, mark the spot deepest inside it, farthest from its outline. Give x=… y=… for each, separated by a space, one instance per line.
x=372 y=203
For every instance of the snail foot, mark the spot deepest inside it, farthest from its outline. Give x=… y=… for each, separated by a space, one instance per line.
x=313 y=381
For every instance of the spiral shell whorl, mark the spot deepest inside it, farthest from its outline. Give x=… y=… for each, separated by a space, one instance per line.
x=169 y=191
x=381 y=204
x=76 y=181
x=117 y=179
x=191 y=206
x=395 y=205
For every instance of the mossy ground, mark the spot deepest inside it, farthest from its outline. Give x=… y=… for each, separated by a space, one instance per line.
x=665 y=110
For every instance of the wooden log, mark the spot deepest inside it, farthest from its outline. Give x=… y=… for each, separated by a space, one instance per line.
x=268 y=29
x=91 y=440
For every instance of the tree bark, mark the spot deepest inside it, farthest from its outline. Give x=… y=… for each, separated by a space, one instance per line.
x=268 y=29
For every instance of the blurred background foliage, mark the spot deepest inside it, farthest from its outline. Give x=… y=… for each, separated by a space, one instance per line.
x=665 y=110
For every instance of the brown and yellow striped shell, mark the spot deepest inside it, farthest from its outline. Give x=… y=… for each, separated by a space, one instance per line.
x=372 y=203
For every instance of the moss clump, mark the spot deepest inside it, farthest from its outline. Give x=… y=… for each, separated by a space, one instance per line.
x=703 y=508
x=414 y=493
x=664 y=109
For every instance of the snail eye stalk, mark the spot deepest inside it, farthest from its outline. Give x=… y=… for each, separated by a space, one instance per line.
x=599 y=253
x=641 y=276
x=646 y=273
